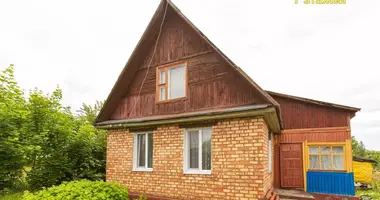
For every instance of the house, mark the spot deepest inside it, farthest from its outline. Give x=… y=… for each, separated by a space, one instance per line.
x=184 y=122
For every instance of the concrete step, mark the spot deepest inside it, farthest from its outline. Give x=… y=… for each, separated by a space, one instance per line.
x=294 y=194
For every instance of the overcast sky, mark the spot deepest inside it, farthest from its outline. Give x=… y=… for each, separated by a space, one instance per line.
x=325 y=52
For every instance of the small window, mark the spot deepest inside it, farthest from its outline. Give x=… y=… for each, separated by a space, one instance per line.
x=270 y=152
x=197 y=151
x=143 y=152
x=171 y=82
x=326 y=158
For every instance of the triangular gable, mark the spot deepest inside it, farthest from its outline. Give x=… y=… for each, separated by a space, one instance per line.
x=148 y=40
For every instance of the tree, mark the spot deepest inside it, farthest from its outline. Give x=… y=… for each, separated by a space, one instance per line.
x=89 y=113
x=39 y=133
x=358 y=148
x=12 y=120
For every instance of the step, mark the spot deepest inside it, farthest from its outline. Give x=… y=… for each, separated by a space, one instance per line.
x=294 y=194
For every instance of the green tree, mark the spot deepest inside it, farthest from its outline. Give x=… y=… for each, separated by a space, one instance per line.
x=39 y=133
x=12 y=120
x=358 y=148
x=89 y=113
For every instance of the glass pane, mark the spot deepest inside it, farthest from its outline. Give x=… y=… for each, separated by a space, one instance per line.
x=206 y=149
x=193 y=149
x=150 y=150
x=162 y=93
x=338 y=162
x=337 y=150
x=141 y=150
x=314 y=162
x=325 y=150
x=326 y=162
x=313 y=150
x=162 y=76
x=177 y=81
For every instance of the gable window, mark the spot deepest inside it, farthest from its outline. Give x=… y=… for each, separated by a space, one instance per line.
x=171 y=82
x=143 y=152
x=326 y=158
x=197 y=151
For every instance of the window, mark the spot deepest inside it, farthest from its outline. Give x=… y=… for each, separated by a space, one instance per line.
x=171 y=82
x=143 y=152
x=197 y=151
x=326 y=158
x=270 y=152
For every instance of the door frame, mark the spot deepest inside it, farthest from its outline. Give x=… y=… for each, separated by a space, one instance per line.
x=302 y=160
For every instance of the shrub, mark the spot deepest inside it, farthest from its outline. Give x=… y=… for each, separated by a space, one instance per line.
x=79 y=190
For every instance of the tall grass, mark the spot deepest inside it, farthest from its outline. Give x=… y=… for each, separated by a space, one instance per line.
x=373 y=193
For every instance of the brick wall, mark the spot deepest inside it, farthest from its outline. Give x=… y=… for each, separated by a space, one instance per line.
x=239 y=162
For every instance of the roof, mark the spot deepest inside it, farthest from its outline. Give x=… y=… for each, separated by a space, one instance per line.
x=363 y=159
x=268 y=112
x=316 y=102
x=146 y=41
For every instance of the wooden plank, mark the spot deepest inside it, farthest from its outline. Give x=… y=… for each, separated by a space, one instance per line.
x=291 y=160
x=300 y=115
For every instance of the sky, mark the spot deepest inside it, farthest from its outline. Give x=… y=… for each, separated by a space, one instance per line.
x=325 y=52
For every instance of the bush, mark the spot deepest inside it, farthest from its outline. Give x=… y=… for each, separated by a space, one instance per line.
x=79 y=190
x=11 y=165
x=11 y=196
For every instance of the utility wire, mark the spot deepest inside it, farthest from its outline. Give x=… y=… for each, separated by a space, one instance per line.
x=150 y=62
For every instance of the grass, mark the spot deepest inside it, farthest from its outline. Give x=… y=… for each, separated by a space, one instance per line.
x=12 y=196
x=374 y=193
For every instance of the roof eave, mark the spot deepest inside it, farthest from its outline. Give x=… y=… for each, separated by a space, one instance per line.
x=266 y=111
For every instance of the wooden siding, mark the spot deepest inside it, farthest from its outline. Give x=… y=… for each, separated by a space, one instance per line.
x=212 y=84
x=297 y=115
x=291 y=165
x=338 y=134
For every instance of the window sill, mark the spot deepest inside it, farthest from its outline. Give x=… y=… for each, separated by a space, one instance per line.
x=142 y=169
x=204 y=172
x=317 y=170
x=171 y=100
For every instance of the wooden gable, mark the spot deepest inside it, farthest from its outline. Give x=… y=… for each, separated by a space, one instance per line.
x=214 y=82
x=303 y=113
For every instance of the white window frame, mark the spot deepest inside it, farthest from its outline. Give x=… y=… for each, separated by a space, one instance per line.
x=270 y=156
x=186 y=168
x=135 y=160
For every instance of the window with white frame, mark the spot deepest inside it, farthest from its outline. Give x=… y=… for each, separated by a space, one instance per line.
x=171 y=82
x=326 y=158
x=270 y=152
x=197 y=151
x=143 y=152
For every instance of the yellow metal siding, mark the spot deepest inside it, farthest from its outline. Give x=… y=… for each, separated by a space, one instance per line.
x=363 y=172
